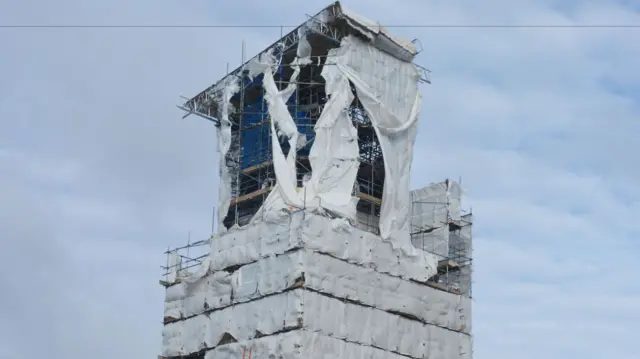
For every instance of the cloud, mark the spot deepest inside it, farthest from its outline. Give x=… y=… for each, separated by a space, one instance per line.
x=98 y=174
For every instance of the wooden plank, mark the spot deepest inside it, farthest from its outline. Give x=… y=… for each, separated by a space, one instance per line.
x=369 y=198
x=268 y=163
x=256 y=167
x=249 y=196
x=252 y=195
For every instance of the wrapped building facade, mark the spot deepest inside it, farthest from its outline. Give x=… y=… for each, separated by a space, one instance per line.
x=322 y=250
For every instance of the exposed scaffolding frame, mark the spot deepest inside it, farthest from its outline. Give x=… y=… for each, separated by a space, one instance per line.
x=454 y=270
x=455 y=264
x=185 y=259
x=249 y=165
x=249 y=159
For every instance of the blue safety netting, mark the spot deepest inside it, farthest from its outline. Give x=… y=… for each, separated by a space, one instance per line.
x=256 y=139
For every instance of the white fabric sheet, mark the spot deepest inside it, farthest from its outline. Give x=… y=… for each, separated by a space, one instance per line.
x=388 y=90
x=224 y=143
x=317 y=232
x=330 y=317
x=432 y=208
x=334 y=154
x=327 y=275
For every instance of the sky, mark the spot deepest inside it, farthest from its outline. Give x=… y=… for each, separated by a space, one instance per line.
x=99 y=174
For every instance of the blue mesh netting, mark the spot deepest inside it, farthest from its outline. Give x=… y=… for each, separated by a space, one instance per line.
x=256 y=141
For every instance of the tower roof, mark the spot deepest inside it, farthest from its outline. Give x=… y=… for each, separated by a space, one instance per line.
x=333 y=22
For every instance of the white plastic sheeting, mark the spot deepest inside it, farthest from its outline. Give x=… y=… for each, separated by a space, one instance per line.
x=267 y=316
x=334 y=154
x=196 y=294
x=376 y=328
x=435 y=241
x=230 y=87
x=386 y=83
x=310 y=345
x=388 y=90
x=317 y=313
x=317 y=232
x=432 y=208
x=366 y=286
x=436 y=204
x=324 y=274
x=353 y=274
x=376 y=34
x=174 y=265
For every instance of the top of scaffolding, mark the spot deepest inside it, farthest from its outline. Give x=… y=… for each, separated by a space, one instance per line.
x=333 y=22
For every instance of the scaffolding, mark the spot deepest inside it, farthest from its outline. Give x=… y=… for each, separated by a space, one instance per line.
x=249 y=159
x=441 y=227
x=184 y=260
x=454 y=255
x=212 y=276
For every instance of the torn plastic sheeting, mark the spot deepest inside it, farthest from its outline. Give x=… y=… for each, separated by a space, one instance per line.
x=262 y=239
x=282 y=346
x=285 y=192
x=267 y=316
x=367 y=222
x=335 y=152
x=317 y=346
x=340 y=330
x=270 y=275
x=304 y=50
x=387 y=89
x=174 y=266
x=429 y=206
x=221 y=289
x=302 y=344
x=259 y=64
x=255 y=241
x=285 y=168
x=436 y=241
x=333 y=156
x=370 y=326
x=224 y=143
x=277 y=101
x=344 y=322
x=436 y=204
x=367 y=249
x=211 y=291
x=344 y=280
x=372 y=29
x=328 y=275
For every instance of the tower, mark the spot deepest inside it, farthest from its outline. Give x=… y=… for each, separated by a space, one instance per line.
x=322 y=250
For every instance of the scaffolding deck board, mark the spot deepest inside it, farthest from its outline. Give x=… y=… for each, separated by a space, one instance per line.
x=252 y=195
